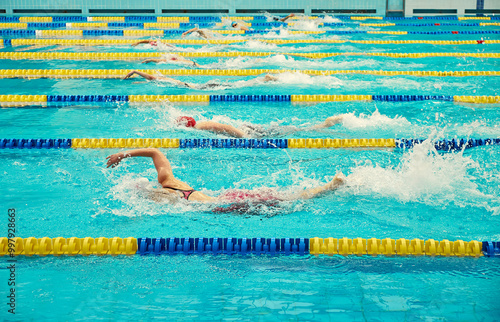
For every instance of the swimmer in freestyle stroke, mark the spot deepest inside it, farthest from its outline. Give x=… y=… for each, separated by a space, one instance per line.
x=266 y=78
x=174 y=189
x=284 y=19
x=252 y=130
x=153 y=43
x=239 y=26
x=200 y=32
x=242 y=26
x=171 y=58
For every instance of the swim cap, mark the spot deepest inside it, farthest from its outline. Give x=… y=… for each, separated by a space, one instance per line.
x=187 y=121
x=153 y=43
x=233 y=23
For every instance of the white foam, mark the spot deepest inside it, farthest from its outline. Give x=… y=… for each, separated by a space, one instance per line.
x=305 y=25
x=374 y=121
x=330 y=19
x=423 y=175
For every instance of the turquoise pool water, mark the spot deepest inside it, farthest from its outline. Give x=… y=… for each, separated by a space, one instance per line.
x=389 y=193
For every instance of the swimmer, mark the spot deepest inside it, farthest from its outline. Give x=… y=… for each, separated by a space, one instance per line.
x=239 y=26
x=174 y=189
x=265 y=79
x=251 y=130
x=171 y=58
x=152 y=43
x=284 y=19
x=202 y=33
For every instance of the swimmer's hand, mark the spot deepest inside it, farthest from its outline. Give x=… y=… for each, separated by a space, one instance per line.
x=115 y=159
x=129 y=75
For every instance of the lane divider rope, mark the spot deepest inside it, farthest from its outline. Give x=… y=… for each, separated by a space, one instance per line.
x=219 y=19
x=143 y=55
x=6 y=100
x=113 y=143
x=184 y=24
x=120 y=73
x=167 y=32
x=115 y=246
x=115 y=42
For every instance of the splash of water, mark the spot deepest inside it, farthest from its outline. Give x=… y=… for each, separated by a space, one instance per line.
x=374 y=121
x=423 y=175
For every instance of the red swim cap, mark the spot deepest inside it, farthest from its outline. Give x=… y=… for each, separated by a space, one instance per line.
x=187 y=121
x=153 y=43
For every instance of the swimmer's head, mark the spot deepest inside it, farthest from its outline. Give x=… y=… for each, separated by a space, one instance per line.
x=186 y=121
x=234 y=24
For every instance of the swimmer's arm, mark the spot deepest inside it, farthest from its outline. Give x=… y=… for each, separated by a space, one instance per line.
x=184 y=34
x=337 y=182
x=153 y=60
x=182 y=59
x=329 y=122
x=243 y=27
x=287 y=17
x=141 y=42
x=160 y=161
x=142 y=74
x=204 y=34
x=220 y=129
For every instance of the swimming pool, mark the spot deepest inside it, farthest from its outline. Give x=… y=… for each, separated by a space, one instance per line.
x=390 y=193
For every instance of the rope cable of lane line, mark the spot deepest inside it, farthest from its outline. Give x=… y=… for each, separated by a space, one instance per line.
x=218 y=20
x=120 y=73
x=171 y=32
x=447 y=145
x=189 y=25
x=123 y=42
x=137 y=18
x=144 y=55
x=20 y=100
x=344 y=246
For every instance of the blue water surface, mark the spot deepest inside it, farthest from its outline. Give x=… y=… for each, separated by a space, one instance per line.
x=390 y=193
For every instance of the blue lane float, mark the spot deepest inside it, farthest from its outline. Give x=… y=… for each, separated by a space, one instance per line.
x=16 y=33
x=35 y=143
x=69 y=19
x=234 y=143
x=409 y=98
x=46 y=25
x=491 y=248
x=106 y=32
x=87 y=98
x=447 y=144
x=250 y=98
x=227 y=246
